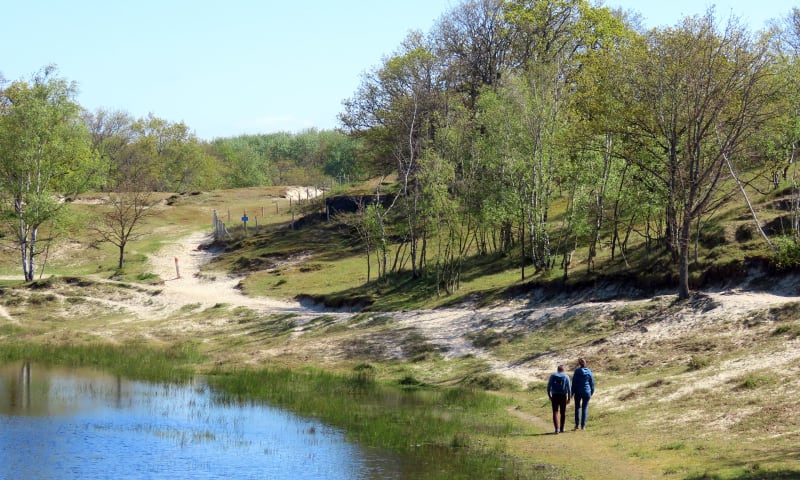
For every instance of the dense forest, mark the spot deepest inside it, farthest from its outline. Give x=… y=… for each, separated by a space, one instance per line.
x=503 y=111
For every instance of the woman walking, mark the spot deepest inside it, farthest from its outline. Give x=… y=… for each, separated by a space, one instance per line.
x=582 y=391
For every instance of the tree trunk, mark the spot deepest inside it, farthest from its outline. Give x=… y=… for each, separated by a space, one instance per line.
x=121 y=255
x=683 y=263
x=31 y=272
x=600 y=197
x=522 y=240
x=369 y=265
x=23 y=249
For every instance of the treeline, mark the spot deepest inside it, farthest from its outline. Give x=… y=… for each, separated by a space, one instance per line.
x=51 y=149
x=502 y=110
x=168 y=157
x=506 y=107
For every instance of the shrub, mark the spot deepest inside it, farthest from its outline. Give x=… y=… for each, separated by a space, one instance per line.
x=743 y=234
x=363 y=375
x=409 y=381
x=752 y=381
x=788 y=255
x=489 y=381
x=41 y=299
x=698 y=361
x=712 y=237
x=791 y=331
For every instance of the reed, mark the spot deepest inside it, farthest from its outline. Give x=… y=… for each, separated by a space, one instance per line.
x=447 y=432
x=135 y=361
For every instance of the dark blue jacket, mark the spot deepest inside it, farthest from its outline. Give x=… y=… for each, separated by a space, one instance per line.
x=565 y=387
x=583 y=382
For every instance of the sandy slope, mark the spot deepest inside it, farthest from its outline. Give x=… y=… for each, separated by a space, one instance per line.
x=447 y=328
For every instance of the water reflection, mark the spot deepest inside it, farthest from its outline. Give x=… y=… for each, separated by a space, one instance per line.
x=57 y=424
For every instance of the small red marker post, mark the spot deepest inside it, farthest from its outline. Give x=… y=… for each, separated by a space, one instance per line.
x=177 y=269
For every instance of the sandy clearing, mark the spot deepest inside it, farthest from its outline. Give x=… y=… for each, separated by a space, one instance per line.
x=185 y=285
x=303 y=193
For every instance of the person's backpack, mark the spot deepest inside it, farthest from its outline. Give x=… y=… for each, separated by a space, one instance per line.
x=558 y=384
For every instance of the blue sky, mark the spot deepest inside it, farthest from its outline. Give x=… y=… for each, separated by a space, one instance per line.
x=244 y=66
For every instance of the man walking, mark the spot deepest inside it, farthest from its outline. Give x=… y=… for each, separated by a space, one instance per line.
x=559 y=393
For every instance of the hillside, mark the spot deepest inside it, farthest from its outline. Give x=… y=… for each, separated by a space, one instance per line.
x=696 y=389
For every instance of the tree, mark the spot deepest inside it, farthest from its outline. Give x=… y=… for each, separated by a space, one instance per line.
x=473 y=41
x=781 y=142
x=130 y=203
x=45 y=156
x=244 y=166
x=111 y=133
x=692 y=97
x=395 y=112
x=171 y=155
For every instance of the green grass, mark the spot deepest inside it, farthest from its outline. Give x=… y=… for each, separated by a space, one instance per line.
x=463 y=428
x=135 y=361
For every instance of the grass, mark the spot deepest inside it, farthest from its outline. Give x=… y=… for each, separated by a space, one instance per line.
x=136 y=361
x=464 y=428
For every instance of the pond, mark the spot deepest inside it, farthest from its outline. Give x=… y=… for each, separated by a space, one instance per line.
x=67 y=423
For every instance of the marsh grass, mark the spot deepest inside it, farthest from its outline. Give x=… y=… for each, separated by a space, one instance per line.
x=463 y=428
x=135 y=361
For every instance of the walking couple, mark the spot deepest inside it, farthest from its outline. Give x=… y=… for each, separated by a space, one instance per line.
x=560 y=390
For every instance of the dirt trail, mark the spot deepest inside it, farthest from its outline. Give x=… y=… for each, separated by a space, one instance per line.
x=191 y=288
x=598 y=461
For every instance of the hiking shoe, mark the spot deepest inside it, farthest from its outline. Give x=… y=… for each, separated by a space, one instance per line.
x=555 y=433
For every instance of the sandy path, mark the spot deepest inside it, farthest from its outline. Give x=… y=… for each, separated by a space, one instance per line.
x=204 y=290
x=562 y=450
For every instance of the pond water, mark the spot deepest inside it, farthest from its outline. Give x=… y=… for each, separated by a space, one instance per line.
x=64 y=423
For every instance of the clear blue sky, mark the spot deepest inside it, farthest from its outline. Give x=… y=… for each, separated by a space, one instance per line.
x=244 y=66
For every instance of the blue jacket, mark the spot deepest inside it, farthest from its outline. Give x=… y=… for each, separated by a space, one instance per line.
x=552 y=388
x=583 y=382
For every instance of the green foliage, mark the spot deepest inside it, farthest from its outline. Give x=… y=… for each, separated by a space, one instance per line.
x=244 y=165
x=287 y=159
x=44 y=155
x=146 y=277
x=788 y=254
